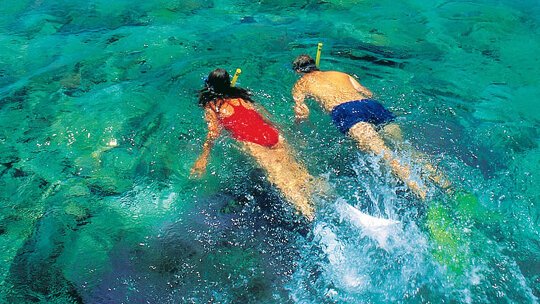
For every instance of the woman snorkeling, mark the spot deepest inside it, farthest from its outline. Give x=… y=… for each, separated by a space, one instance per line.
x=232 y=109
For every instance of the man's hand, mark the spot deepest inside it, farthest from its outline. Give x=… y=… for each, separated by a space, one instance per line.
x=301 y=112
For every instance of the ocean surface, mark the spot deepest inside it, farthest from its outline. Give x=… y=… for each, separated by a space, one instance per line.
x=99 y=127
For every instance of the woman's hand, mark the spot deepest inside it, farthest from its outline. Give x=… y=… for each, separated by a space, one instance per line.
x=199 y=167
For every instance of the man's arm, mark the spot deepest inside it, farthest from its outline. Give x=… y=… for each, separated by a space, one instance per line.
x=361 y=89
x=301 y=111
x=214 y=130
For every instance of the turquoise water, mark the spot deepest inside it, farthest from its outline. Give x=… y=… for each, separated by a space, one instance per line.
x=100 y=126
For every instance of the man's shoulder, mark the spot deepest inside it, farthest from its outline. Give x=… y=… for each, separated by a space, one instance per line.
x=310 y=76
x=329 y=73
x=301 y=81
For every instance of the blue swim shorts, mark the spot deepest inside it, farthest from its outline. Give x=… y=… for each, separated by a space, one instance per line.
x=350 y=113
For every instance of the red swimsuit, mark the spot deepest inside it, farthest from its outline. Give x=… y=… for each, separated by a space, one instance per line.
x=248 y=125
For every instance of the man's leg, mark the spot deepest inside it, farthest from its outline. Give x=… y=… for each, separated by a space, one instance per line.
x=393 y=132
x=368 y=140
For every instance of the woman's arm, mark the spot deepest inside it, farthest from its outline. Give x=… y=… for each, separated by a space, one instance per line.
x=214 y=130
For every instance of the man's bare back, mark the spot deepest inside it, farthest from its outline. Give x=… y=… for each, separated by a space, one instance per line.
x=329 y=88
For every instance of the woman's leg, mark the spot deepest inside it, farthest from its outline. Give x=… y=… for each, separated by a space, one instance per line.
x=290 y=177
x=368 y=140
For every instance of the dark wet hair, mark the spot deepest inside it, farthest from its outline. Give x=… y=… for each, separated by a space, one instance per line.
x=304 y=64
x=218 y=86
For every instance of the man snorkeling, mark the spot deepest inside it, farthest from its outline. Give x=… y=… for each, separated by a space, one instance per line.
x=354 y=113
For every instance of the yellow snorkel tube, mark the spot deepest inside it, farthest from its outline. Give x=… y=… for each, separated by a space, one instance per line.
x=235 y=77
x=318 y=58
